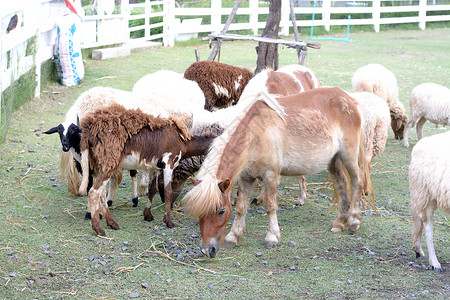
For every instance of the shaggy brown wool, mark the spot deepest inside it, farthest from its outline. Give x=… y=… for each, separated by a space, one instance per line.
x=222 y=84
x=121 y=124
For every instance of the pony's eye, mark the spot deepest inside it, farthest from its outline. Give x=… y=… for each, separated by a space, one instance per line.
x=221 y=211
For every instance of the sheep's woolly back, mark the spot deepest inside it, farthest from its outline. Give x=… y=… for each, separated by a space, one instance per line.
x=99 y=97
x=107 y=129
x=222 y=84
x=376 y=120
x=376 y=79
x=429 y=173
x=174 y=90
x=432 y=101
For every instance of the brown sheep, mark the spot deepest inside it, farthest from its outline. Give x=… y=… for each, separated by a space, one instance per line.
x=222 y=84
x=129 y=139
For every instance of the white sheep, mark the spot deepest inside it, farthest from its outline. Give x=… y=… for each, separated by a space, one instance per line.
x=377 y=79
x=376 y=118
x=429 y=187
x=428 y=101
x=165 y=84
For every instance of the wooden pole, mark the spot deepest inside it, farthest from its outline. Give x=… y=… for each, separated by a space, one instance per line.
x=213 y=54
x=301 y=50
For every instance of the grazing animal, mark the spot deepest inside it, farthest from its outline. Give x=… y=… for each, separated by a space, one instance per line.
x=320 y=129
x=429 y=187
x=376 y=120
x=428 y=101
x=221 y=84
x=70 y=132
x=116 y=137
x=187 y=167
x=377 y=79
x=285 y=81
x=186 y=96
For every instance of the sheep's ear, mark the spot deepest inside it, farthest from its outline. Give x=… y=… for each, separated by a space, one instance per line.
x=399 y=124
x=224 y=184
x=51 y=130
x=194 y=181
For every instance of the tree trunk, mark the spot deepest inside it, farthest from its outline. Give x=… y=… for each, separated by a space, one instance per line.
x=268 y=52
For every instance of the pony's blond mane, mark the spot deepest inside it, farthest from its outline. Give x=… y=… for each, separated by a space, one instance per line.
x=205 y=197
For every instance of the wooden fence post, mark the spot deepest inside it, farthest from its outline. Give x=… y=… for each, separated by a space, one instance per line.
x=376 y=15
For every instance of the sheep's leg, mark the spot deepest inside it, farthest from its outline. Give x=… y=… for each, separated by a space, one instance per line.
x=168 y=204
x=434 y=263
x=302 y=189
x=107 y=213
x=408 y=127
x=168 y=171
x=94 y=200
x=233 y=238
x=135 y=199
x=260 y=198
x=112 y=189
x=144 y=184
x=273 y=235
x=151 y=194
x=419 y=127
x=417 y=235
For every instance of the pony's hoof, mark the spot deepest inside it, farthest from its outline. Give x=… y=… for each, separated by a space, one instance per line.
x=353 y=228
x=300 y=202
x=254 y=201
x=135 y=201
x=269 y=245
x=87 y=216
x=109 y=202
x=228 y=245
x=336 y=229
x=418 y=255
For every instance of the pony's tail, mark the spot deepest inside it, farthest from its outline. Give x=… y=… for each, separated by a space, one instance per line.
x=69 y=172
x=84 y=171
x=368 y=197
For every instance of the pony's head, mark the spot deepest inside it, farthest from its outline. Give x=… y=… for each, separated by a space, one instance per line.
x=209 y=202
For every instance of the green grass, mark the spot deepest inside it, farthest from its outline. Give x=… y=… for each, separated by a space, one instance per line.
x=48 y=250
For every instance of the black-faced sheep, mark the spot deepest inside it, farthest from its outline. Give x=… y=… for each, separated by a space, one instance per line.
x=116 y=137
x=428 y=101
x=377 y=79
x=221 y=84
x=429 y=187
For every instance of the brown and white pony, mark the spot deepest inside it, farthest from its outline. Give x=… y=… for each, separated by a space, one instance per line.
x=321 y=129
x=116 y=137
x=285 y=81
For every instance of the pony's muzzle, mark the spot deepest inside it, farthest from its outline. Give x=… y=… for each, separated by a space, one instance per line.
x=211 y=250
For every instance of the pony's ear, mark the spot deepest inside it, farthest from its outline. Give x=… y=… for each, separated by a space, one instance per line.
x=224 y=184
x=51 y=130
x=194 y=181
